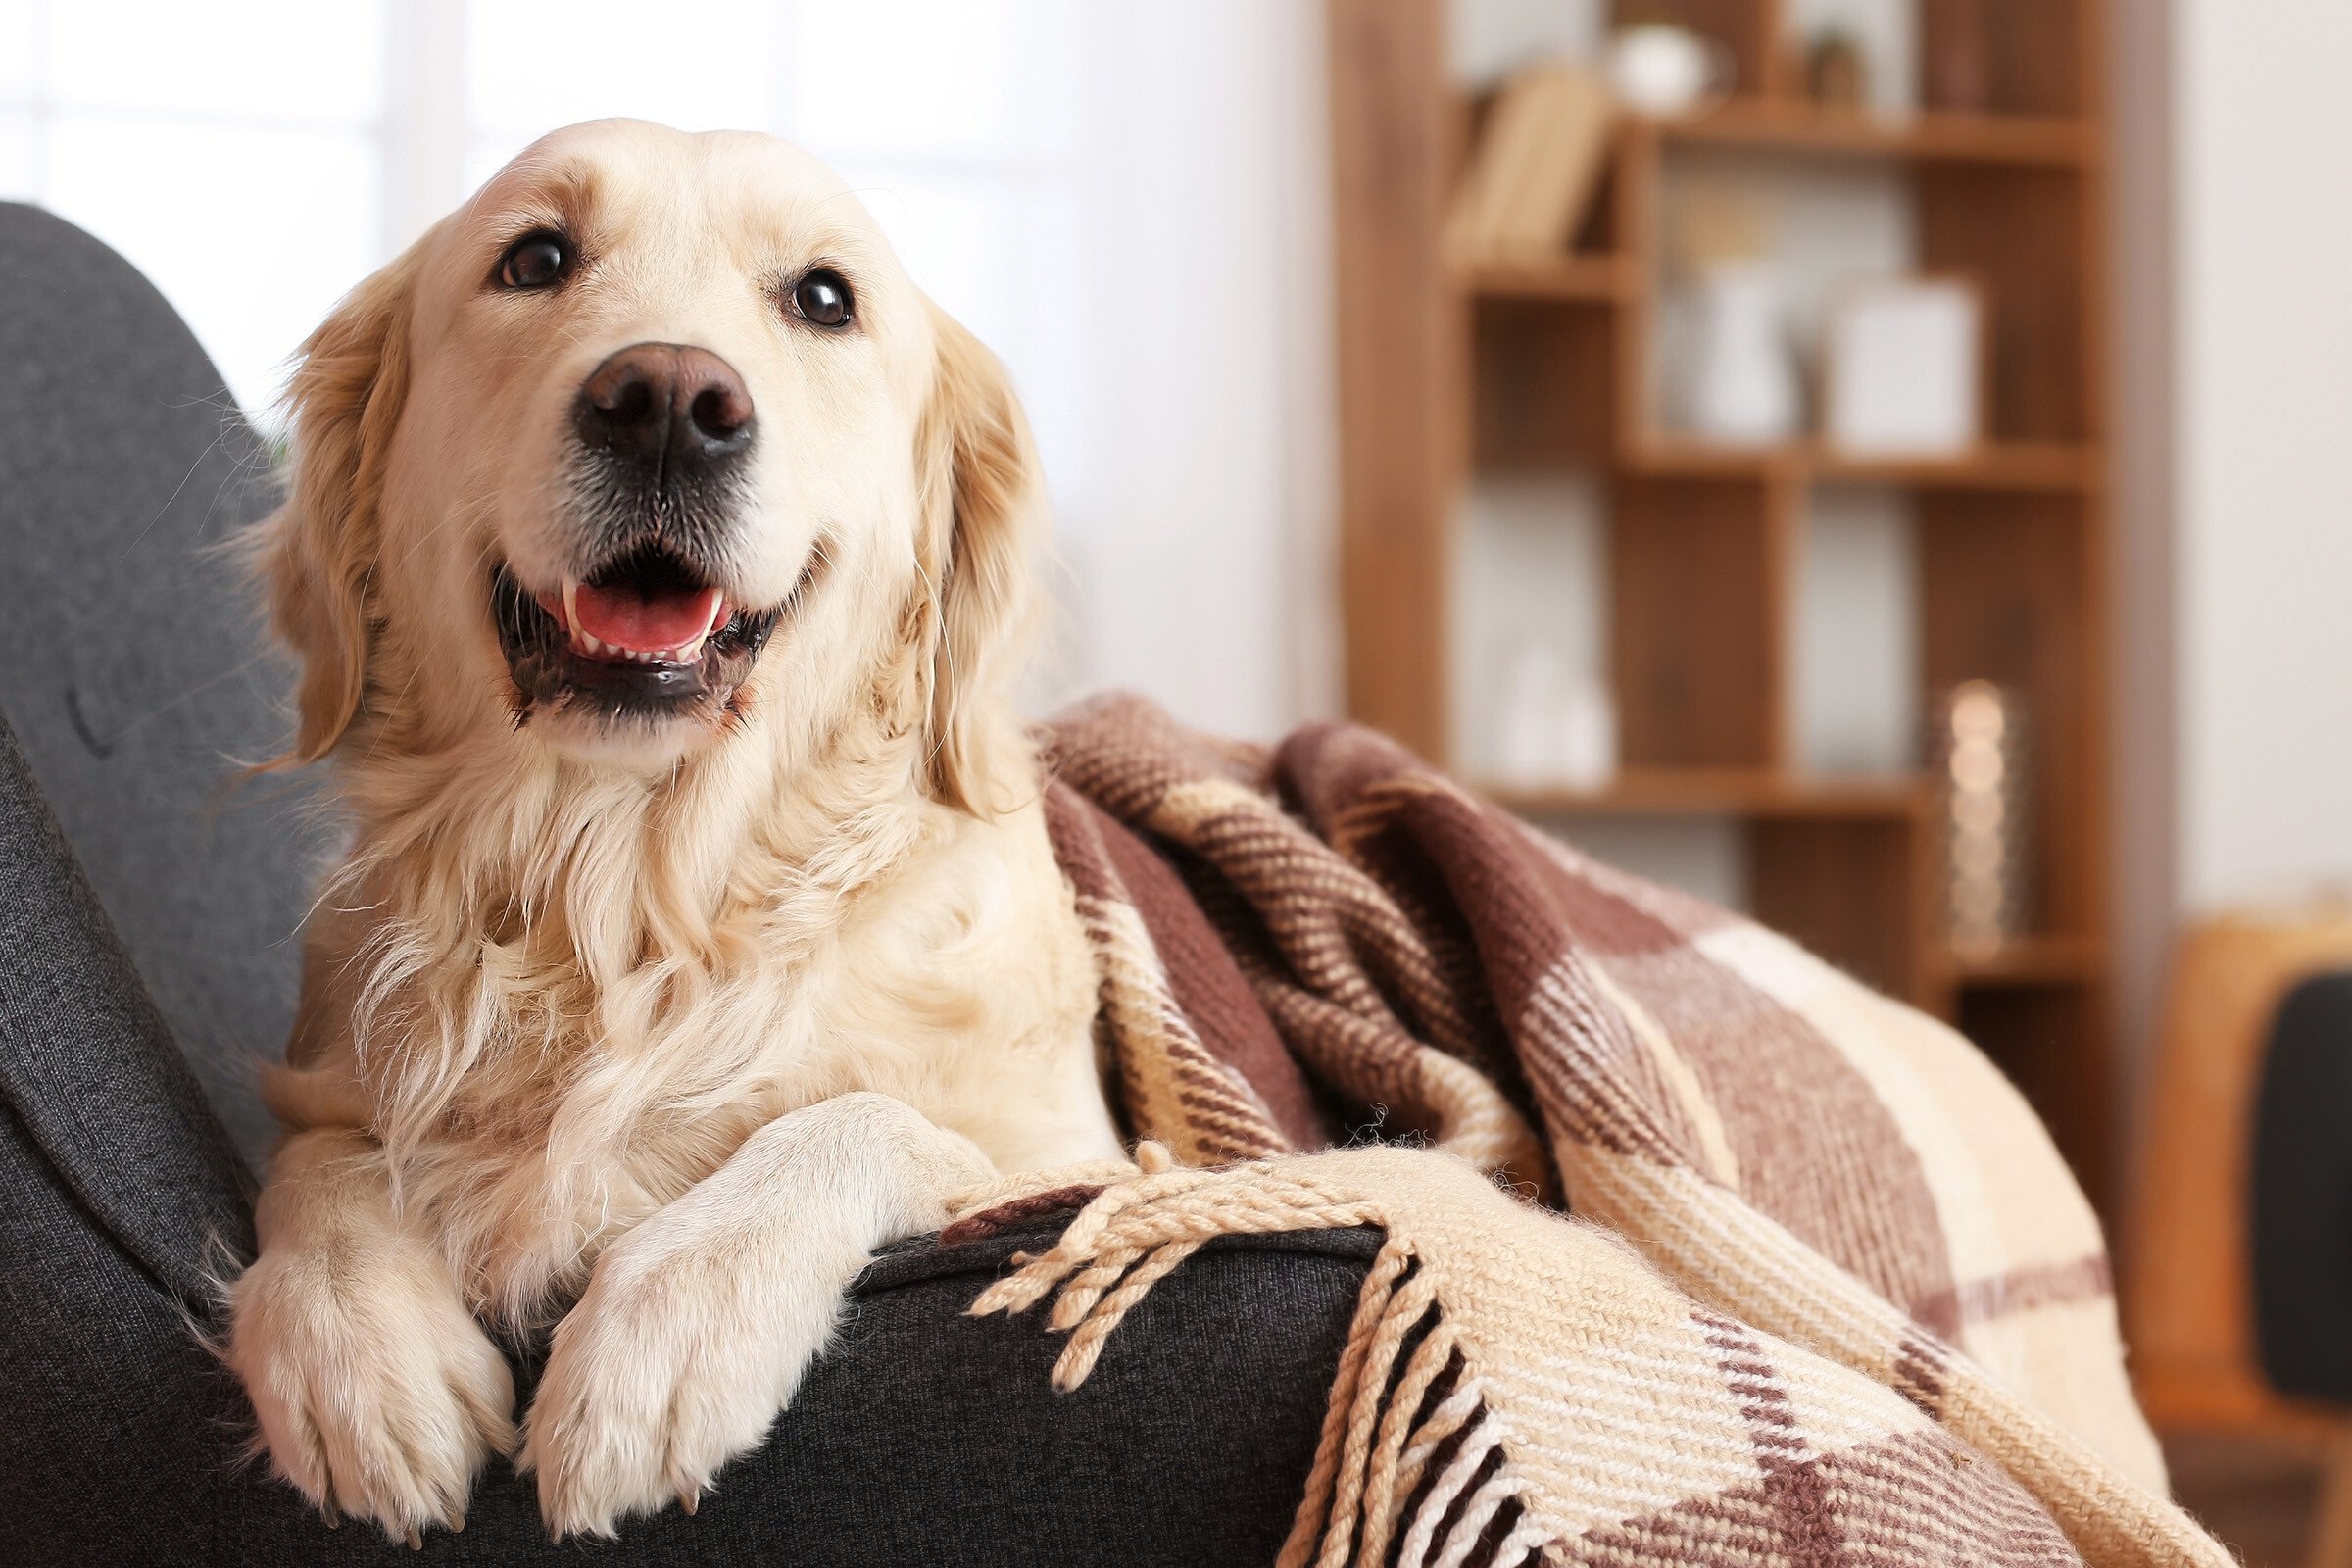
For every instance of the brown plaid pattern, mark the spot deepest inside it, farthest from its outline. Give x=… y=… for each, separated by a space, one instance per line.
x=1831 y=1297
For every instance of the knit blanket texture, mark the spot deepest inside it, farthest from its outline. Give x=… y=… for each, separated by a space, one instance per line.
x=1697 y=1250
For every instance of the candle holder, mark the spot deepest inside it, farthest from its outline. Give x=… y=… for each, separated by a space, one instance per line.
x=1981 y=761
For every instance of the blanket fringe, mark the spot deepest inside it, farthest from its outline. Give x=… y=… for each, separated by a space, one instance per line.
x=1133 y=1235
x=1381 y=1430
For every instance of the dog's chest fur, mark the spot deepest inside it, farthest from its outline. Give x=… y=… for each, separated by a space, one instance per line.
x=542 y=1083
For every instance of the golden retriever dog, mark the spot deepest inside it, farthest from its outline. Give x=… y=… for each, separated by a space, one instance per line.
x=658 y=560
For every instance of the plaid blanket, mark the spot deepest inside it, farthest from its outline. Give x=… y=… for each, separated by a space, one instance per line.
x=1790 y=1274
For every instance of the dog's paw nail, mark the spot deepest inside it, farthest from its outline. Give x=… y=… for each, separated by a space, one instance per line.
x=690 y=1499
x=457 y=1525
x=416 y=1539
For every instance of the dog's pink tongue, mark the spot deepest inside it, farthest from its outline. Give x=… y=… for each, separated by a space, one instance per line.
x=624 y=620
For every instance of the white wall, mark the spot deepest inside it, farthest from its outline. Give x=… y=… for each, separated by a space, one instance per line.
x=2263 y=415
x=1202 y=531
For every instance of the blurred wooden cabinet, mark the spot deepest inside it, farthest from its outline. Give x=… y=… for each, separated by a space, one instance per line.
x=1448 y=376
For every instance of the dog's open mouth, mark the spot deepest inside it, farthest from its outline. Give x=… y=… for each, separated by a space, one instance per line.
x=643 y=636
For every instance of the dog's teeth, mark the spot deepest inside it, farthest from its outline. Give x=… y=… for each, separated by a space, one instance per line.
x=571 y=594
x=588 y=642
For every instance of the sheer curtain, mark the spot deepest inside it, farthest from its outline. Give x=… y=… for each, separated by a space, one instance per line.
x=1127 y=201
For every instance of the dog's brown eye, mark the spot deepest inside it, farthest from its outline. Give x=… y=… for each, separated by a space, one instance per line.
x=822 y=298
x=535 y=261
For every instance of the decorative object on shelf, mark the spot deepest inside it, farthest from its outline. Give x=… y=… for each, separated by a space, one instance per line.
x=1588 y=735
x=1534 y=169
x=1558 y=731
x=1981 y=774
x=1902 y=369
x=1531 y=692
x=1952 y=66
x=1836 y=72
x=1659 y=67
x=1740 y=385
x=1731 y=374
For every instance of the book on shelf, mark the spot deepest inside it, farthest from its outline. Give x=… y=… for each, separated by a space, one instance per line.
x=1535 y=168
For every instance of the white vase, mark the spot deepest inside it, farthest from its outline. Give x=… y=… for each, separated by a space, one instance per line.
x=1556 y=729
x=1659 y=68
x=1587 y=720
x=1529 y=750
x=1740 y=381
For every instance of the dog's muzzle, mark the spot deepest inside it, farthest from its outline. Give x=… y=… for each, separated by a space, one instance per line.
x=645 y=629
x=663 y=435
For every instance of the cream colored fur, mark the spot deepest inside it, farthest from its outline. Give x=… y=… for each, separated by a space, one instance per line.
x=653 y=1033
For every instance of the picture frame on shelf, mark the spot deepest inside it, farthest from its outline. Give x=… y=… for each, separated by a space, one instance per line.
x=1902 y=369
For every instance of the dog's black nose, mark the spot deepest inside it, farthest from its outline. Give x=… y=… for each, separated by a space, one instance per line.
x=663 y=403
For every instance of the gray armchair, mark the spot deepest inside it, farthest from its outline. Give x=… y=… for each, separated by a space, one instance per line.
x=147 y=955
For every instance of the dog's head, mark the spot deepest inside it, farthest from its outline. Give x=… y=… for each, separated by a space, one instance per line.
x=649 y=449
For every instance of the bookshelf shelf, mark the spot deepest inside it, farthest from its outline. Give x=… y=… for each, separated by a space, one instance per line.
x=1451 y=376
x=1725 y=792
x=2031 y=961
x=2023 y=465
x=2032 y=140
x=1597 y=278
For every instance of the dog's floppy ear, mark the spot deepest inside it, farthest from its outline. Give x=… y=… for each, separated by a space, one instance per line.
x=317 y=552
x=984 y=512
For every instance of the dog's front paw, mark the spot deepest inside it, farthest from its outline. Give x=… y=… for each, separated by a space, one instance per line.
x=381 y=1398
x=677 y=1357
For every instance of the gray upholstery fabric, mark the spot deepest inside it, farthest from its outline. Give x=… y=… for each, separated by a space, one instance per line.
x=130 y=664
x=90 y=1070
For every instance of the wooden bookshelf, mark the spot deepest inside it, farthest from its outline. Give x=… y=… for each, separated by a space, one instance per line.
x=1449 y=375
